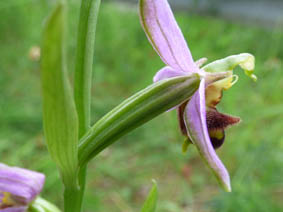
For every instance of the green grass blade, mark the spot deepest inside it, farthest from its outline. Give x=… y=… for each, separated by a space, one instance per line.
x=84 y=61
x=59 y=112
x=151 y=200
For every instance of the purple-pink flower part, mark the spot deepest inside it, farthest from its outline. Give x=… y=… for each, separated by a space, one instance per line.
x=18 y=187
x=199 y=119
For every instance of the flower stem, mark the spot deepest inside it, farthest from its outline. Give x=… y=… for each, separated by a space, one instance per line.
x=73 y=197
x=82 y=182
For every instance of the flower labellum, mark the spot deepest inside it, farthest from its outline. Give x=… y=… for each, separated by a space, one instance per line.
x=18 y=188
x=199 y=120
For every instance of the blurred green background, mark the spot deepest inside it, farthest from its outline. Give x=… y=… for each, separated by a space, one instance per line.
x=120 y=177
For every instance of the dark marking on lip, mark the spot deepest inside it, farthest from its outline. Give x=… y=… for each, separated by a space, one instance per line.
x=182 y=125
x=216 y=124
x=217 y=138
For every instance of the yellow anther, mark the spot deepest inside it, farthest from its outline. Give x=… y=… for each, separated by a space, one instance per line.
x=6 y=199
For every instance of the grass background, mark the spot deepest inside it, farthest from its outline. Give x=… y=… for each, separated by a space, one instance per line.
x=120 y=177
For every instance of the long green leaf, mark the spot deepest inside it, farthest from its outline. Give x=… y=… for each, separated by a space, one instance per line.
x=84 y=61
x=59 y=112
x=151 y=200
x=136 y=111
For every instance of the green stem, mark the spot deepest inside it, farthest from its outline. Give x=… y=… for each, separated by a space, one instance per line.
x=82 y=182
x=84 y=61
x=72 y=199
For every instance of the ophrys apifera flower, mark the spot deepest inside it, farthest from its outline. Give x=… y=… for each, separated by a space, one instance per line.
x=199 y=119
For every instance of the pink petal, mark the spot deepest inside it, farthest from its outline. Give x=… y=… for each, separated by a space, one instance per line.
x=168 y=72
x=165 y=35
x=15 y=209
x=195 y=120
x=21 y=183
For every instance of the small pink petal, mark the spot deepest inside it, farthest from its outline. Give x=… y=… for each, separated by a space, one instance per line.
x=168 y=72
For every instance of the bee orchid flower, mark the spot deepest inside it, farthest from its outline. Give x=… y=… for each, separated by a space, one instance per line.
x=199 y=119
x=18 y=188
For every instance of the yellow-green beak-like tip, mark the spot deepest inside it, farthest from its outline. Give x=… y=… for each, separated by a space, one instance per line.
x=245 y=60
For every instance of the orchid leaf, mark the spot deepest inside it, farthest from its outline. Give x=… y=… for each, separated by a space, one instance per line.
x=59 y=113
x=135 y=111
x=151 y=200
x=84 y=61
x=245 y=60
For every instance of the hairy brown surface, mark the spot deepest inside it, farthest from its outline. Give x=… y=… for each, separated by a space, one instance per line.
x=217 y=121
